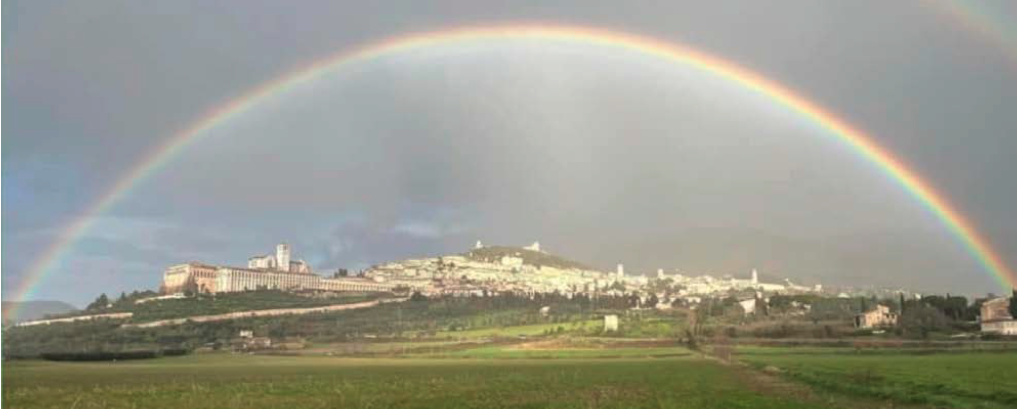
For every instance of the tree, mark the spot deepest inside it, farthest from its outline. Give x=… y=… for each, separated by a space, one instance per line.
x=652 y=301
x=923 y=319
x=691 y=342
x=761 y=307
x=100 y=302
x=1013 y=304
x=955 y=307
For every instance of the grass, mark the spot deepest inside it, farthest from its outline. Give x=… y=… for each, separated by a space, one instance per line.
x=558 y=372
x=961 y=379
x=557 y=348
x=251 y=382
x=515 y=352
x=520 y=330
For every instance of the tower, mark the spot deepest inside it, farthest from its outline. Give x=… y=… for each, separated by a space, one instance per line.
x=479 y=245
x=755 y=277
x=660 y=273
x=282 y=257
x=621 y=270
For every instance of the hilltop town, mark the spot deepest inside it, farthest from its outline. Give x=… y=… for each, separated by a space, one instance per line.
x=277 y=284
x=483 y=270
x=531 y=271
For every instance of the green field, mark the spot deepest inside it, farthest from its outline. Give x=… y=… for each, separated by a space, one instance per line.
x=961 y=379
x=560 y=373
x=513 y=352
x=243 y=381
x=557 y=348
x=521 y=330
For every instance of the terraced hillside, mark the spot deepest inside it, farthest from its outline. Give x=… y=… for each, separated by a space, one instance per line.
x=493 y=254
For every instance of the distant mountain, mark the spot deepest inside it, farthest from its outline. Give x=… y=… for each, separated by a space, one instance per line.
x=493 y=254
x=33 y=310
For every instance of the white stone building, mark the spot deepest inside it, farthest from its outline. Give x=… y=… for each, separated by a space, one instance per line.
x=748 y=305
x=996 y=317
x=1004 y=327
x=194 y=276
x=610 y=323
x=876 y=318
x=280 y=261
x=263 y=272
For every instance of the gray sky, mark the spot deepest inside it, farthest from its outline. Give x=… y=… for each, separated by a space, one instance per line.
x=603 y=155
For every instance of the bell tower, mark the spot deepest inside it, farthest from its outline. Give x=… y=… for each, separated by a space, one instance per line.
x=282 y=257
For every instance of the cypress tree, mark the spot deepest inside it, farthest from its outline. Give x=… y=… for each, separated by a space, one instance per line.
x=1013 y=303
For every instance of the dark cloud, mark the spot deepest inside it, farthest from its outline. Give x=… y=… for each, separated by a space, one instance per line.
x=604 y=157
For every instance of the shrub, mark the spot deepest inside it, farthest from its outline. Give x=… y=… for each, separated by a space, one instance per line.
x=98 y=356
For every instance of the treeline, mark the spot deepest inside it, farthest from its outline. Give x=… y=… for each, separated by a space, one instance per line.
x=814 y=316
x=125 y=300
x=112 y=355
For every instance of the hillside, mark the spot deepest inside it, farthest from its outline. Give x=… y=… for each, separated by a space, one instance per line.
x=219 y=304
x=421 y=318
x=493 y=254
x=32 y=310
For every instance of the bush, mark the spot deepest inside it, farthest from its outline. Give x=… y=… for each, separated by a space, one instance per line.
x=176 y=352
x=98 y=356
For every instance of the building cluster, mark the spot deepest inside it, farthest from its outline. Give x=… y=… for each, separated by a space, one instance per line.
x=519 y=270
x=530 y=270
x=280 y=261
x=483 y=270
x=278 y=272
x=465 y=275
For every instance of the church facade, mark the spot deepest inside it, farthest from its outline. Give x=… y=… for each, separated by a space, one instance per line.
x=276 y=272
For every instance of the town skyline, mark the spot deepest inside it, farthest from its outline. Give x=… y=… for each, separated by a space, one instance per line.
x=485 y=269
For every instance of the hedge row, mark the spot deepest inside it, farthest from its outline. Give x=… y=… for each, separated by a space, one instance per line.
x=111 y=356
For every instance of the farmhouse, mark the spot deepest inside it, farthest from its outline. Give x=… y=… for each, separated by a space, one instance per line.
x=610 y=323
x=996 y=317
x=878 y=317
x=748 y=305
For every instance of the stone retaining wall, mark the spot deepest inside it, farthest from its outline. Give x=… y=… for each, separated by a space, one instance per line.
x=263 y=313
x=112 y=316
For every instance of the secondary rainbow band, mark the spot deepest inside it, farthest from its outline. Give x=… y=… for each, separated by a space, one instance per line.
x=677 y=53
x=984 y=20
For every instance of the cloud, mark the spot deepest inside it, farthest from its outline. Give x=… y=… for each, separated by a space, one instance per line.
x=603 y=155
x=428 y=230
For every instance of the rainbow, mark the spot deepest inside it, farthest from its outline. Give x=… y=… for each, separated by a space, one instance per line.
x=989 y=23
x=857 y=140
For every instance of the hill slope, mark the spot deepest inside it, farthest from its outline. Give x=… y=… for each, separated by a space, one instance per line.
x=493 y=254
x=33 y=310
